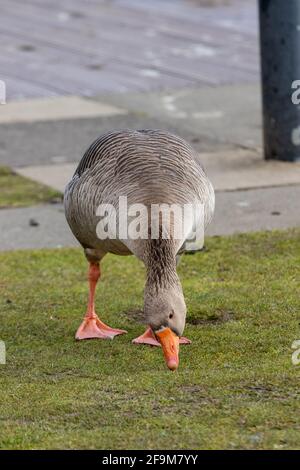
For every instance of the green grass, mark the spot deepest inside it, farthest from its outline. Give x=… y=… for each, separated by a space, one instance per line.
x=17 y=191
x=236 y=386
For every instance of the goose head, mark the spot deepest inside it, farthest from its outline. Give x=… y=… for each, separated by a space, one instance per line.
x=165 y=313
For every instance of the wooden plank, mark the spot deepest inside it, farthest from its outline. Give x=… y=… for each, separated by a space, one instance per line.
x=126 y=45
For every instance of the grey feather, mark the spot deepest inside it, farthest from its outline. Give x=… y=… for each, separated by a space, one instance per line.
x=149 y=167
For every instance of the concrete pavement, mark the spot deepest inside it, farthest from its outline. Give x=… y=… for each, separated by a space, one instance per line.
x=231 y=154
x=47 y=141
x=55 y=109
x=251 y=194
x=228 y=170
x=212 y=119
x=236 y=212
x=229 y=115
x=187 y=67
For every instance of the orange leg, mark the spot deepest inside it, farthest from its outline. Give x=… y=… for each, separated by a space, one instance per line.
x=92 y=326
x=149 y=338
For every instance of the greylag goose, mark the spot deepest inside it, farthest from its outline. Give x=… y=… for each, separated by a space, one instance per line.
x=148 y=168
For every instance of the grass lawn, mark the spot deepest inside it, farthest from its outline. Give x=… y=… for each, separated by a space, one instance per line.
x=235 y=388
x=17 y=191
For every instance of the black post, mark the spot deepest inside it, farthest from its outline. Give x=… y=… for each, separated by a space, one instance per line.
x=280 y=64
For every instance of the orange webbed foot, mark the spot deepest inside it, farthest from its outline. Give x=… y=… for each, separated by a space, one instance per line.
x=93 y=327
x=149 y=338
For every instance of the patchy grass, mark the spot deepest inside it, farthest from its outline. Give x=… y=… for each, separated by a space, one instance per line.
x=236 y=386
x=17 y=191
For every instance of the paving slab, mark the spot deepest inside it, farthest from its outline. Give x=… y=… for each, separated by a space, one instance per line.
x=49 y=109
x=228 y=170
x=255 y=210
x=211 y=119
x=236 y=212
x=65 y=140
x=55 y=176
x=228 y=114
x=245 y=169
x=50 y=229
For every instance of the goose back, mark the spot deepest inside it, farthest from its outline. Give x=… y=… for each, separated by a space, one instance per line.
x=148 y=167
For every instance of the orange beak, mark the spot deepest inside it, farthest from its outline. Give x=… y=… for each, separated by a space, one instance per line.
x=170 y=344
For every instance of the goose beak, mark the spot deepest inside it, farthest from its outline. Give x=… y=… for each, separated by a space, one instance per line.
x=170 y=344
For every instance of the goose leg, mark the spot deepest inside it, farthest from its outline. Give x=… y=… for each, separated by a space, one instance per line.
x=92 y=326
x=149 y=338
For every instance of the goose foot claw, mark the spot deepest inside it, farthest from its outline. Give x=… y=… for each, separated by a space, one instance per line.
x=149 y=338
x=93 y=327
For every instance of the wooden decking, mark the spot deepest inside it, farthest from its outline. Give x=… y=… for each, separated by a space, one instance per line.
x=89 y=47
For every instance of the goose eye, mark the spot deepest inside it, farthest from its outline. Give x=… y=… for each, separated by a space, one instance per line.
x=171 y=315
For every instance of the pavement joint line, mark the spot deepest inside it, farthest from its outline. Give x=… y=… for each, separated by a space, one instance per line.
x=252 y=188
